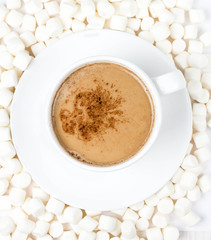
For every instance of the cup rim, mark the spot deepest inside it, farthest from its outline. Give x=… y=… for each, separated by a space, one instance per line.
x=155 y=99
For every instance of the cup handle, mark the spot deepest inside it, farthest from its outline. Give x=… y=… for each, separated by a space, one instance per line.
x=170 y=82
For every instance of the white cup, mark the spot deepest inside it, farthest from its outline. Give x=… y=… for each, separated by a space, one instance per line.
x=164 y=84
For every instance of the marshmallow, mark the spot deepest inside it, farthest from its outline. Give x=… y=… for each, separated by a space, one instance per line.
x=166 y=191
x=147 y=23
x=182 y=207
x=196 y=16
x=42 y=17
x=88 y=7
x=182 y=60
x=205 y=38
x=46 y=237
x=205 y=183
x=208 y=105
x=195 y=89
x=179 y=192
x=177 y=31
x=76 y=229
x=107 y=223
x=28 y=38
x=41 y=228
x=14 y=18
x=177 y=176
x=154 y=234
x=18 y=214
x=199 y=123
x=4 y=183
x=4 y=203
x=56 y=229
x=189 y=149
x=209 y=123
x=178 y=46
x=29 y=23
x=204 y=96
x=194 y=194
x=191 y=32
x=189 y=161
x=206 y=80
x=142 y=13
x=192 y=74
x=200 y=139
x=39 y=193
x=165 y=206
x=7 y=226
x=195 y=46
x=37 y=48
x=188 y=180
x=102 y=235
x=72 y=215
x=67 y=23
x=160 y=31
x=79 y=16
x=22 y=60
x=152 y=201
x=166 y=16
x=88 y=224
x=52 y=8
x=36 y=207
x=70 y=235
x=155 y=7
x=118 y=22
x=7 y=150
x=47 y=216
x=5 y=134
x=128 y=8
x=21 y=180
x=95 y=22
x=197 y=170
x=15 y=45
x=203 y=154
x=13 y=4
x=26 y=226
x=78 y=26
x=55 y=206
x=148 y=36
x=170 y=233
x=146 y=212
x=190 y=219
x=134 y=23
x=41 y=33
x=137 y=206
x=142 y=224
x=187 y=4
x=68 y=9
x=141 y=3
x=4 y=118
x=160 y=220
x=4 y=29
x=6 y=60
x=33 y=6
x=3 y=12
x=179 y=15
x=130 y=215
x=87 y=236
x=26 y=207
x=128 y=230
x=169 y=3
x=9 y=78
x=91 y=213
x=54 y=26
x=17 y=235
x=17 y=196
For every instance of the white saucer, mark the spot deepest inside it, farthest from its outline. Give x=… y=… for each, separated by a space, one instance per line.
x=83 y=188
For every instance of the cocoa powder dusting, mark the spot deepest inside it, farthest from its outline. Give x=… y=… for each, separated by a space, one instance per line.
x=95 y=111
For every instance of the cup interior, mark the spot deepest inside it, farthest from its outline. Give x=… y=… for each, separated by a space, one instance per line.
x=142 y=78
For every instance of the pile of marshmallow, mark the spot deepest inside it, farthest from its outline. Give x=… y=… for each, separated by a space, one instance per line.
x=27 y=27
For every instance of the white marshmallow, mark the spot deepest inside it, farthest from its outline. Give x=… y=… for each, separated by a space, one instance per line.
x=130 y=31
x=91 y=213
x=204 y=96
x=137 y=206
x=192 y=74
x=142 y=3
x=205 y=38
x=160 y=220
x=4 y=183
x=26 y=207
x=29 y=23
x=15 y=45
x=195 y=89
x=189 y=149
x=4 y=118
x=152 y=201
x=3 y=12
x=88 y=7
x=87 y=236
x=76 y=229
x=33 y=6
x=206 y=80
x=72 y=215
x=12 y=166
x=196 y=16
x=128 y=8
x=17 y=196
x=41 y=228
x=67 y=23
x=54 y=26
x=177 y=176
x=165 y=206
x=179 y=15
x=199 y=110
x=107 y=223
x=95 y=22
x=182 y=207
x=188 y=180
x=102 y=235
x=179 y=192
x=46 y=237
x=13 y=4
x=146 y=212
x=7 y=226
x=36 y=206
x=166 y=16
x=39 y=193
x=79 y=16
x=6 y=60
x=177 y=31
x=154 y=234
x=205 y=183
x=4 y=29
x=170 y=233
x=209 y=123
x=9 y=78
x=134 y=23
x=169 y=3
x=37 y=48
x=201 y=139
x=56 y=229
x=178 y=46
x=14 y=18
x=5 y=134
x=52 y=8
x=88 y=224
x=55 y=206
x=68 y=9
x=21 y=180
x=197 y=170
x=190 y=219
x=7 y=150
x=166 y=191
x=195 y=46
x=78 y=26
x=22 y=60
x=130 y=215
x=128 y=230
x=4 y=203
x=182 y=60
x=41 y=33
x=191 y=32
x=28 y=38
x=160 y=31
x=70 y=235
x=118 y=22
x=203 y=154
x=18 y=214
x=148 y=36
x=142 y=13
x=42 y=17
x=142 y=224
x=189 y=161
x=155 y=7
x=187 y=4
x=147 y=23
x=26 y=226
x=46 y=217
x=194 y=194
x=17 y=235
x=199 y=123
